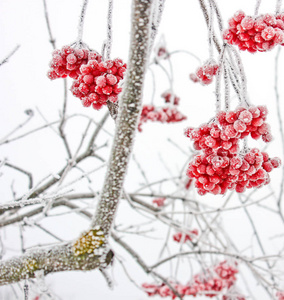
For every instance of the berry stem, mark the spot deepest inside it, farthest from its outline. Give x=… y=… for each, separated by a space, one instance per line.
x=210 y=30
x=242 y=76
x=109 y=29
x=278 y=6
x=218 y=79
x=227 y=89
x=81 y=22
x=257 y=5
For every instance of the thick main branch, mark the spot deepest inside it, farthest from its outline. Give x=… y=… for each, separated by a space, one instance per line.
x=128 y=115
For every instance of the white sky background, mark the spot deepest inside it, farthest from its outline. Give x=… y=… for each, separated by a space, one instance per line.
x=24 y=85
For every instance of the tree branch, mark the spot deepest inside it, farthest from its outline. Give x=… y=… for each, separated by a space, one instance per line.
x=128 y=115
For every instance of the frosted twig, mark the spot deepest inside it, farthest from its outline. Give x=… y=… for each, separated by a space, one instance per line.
x=81 y=22
x=255 y=233
x=48 y=232
x=177 y=146
x=45 y=119
x=139 y=260
x=109 y=29
x=30 y=177
x=9 y=55
x=257 y=5
x=218 y=79
x=206 y=16
x=280 y=122
x=97 y=130
x=85 y=175
x=51 y=38
x=142 y=172
x=186 y=52
x=22 y=203
x=154 y=85
x=71 y=162
x=210 y=30
x=227 y=89
x=63 y=121
x=167 y=74
x=127 y=273
x=156 y=19
x=278 y=6
x=219 y=18
x=26 y=290
x=5 y=140
x=242 y=75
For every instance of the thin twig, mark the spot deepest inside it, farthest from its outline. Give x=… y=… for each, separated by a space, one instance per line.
x=5 y=60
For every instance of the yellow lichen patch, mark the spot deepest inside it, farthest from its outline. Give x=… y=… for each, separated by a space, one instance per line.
x=89 y=242
x=31 y=265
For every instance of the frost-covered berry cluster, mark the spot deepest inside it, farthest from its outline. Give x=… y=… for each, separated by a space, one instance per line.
x=221 y=166
x=218 y=279
x=243 y=122
x=205 y=73
x=260 y=33
x=95 y=81
x=99 y=82
x=67 y=62
x=181 y=237
x=163 y=115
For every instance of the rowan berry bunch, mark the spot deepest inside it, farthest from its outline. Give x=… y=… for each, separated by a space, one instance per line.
x=221 y=166
x=99 y=82
x=254 y=34
x=163 y=115
x=184 y=237
x=96 y=81
x=219 y=278
x=280 y=295
x=67 y=62
x=243 y=122
x=205 y=73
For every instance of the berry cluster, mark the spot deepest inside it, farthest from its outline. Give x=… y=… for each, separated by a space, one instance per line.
x=163 y=115
x=221 y=166
x=99 y=81
x=169 y=97
x=221 y=277
x=96 y=81
x=159 y=201
x=67 y=62
x=243 y=122
x=280 y=295
x=205 y=73
x=255 y=34
x=184 y=237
